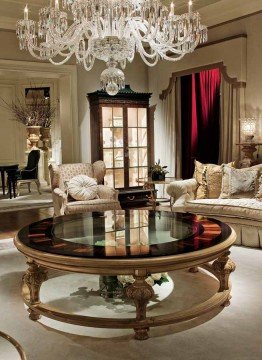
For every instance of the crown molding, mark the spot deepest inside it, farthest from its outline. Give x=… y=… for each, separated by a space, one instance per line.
x=226 y=11
x=212 y=15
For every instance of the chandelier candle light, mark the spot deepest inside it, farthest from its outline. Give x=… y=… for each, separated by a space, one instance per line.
x=111 y=31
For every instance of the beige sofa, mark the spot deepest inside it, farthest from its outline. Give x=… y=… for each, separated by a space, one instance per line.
x=63 y=204
x=243 y=215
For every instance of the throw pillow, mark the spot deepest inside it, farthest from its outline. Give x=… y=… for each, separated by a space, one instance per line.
x=238 y=183
x=209 y=180
x=82 y=187
x=214 y=181
x=258 y=195
x=200 y=176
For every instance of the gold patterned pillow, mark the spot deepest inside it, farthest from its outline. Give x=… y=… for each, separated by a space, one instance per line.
x=209 y=180
x=200 y=176
x=238 y=183
x=214 y=181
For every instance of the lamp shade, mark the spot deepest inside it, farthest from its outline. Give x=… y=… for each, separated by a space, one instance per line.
x=248 y=128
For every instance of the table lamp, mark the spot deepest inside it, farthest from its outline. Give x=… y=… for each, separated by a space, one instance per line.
x=248 y=128
x=249 y=146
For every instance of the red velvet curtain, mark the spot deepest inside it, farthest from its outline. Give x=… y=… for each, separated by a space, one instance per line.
x=200 y=114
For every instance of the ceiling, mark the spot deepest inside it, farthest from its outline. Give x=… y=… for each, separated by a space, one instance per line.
x=217 y=10
x=182 y=5
x=14 y=8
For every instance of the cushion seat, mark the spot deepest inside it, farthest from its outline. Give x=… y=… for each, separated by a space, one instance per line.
x=91 y=205
x=242 y=208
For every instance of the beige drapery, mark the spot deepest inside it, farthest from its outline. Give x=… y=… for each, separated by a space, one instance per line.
x=171 y=137
x=232 y=110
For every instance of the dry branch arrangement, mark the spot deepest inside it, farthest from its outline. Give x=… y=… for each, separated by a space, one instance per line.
x=38 y=112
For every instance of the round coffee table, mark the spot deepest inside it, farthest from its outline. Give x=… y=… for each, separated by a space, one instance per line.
x=131 y=242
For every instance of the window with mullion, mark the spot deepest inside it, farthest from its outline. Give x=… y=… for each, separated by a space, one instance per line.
x=137 y=144
x=113 y=146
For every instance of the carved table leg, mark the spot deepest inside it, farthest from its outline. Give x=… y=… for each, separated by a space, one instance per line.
x=223 y=267
x=140 y=292
x=33 y=279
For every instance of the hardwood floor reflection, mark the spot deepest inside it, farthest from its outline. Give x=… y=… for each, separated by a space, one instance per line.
x=11 y=222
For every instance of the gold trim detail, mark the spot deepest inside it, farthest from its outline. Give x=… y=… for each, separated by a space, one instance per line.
x=16 y=344
x=140 y=292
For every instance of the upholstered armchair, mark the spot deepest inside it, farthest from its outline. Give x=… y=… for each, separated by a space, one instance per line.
x=64 y=204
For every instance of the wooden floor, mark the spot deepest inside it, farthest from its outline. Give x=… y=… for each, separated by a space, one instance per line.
x=11 y=222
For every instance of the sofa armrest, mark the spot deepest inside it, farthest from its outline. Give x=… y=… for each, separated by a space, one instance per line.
x=182 y=191
x=106 y=192
x=60 y=201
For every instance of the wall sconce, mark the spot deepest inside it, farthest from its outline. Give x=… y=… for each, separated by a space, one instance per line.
x=248 y=128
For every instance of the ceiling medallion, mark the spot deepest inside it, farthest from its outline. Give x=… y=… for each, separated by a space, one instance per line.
x=112 y=31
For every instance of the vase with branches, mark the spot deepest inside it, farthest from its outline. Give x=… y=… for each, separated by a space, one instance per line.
x=35 y=114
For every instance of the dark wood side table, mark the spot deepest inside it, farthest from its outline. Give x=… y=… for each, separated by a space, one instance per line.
x=4 y=168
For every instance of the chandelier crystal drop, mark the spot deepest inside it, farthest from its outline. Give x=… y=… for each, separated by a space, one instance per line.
x=112 y=79
x=111 y=31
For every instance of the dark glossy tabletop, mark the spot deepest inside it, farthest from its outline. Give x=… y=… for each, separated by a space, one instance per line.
x=8 y=166
x=124 y=234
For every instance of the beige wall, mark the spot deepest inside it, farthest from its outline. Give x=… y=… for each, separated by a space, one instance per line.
x=252 y=27
x=12 y=134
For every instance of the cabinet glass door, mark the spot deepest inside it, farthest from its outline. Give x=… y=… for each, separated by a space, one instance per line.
x=113 y=145
x=137 y=144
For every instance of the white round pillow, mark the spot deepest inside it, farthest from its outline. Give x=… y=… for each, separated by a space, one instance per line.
x=82 y=187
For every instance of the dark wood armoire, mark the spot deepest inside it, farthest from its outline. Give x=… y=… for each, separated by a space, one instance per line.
x=122 y=136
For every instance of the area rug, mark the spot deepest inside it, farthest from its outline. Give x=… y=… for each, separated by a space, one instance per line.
x=27 y=200
x=6 y=244
x=233 y=333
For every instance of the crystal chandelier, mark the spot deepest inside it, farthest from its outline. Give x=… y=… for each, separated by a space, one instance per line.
x=111 y=31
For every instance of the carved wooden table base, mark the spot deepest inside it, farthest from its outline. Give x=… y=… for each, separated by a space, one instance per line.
x=140 y=292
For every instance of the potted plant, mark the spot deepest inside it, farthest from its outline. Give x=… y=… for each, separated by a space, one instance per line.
x=115 y=286
x=158 y=172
